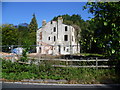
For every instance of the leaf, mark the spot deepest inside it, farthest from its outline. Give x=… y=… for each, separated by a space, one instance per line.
x=93 y=19
x=89 y=3
x=113 y=51
x=105 y=23
x=84 y=7
x=113 y=24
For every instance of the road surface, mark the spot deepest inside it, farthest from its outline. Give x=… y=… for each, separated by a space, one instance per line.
x=48 y=85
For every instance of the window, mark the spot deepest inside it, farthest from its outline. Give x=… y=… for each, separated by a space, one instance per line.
x=72 y=38
x=54 y=29
x=67 y=50
x=54 y=38
x=39 y=49
x=65 y=28
x=64 y=48
x=48 y=38
x=65 y=37
x=51 y=22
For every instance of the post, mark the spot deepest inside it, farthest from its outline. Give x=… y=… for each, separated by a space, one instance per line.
x=96 y=63
x=66 y=62
x=12 y=53
x=39 y=53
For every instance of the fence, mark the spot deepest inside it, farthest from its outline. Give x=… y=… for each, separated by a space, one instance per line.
x=71 y=68
x=69 y=61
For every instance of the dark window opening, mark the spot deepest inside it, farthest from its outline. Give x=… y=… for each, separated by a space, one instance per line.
x=65 y=28
x=54 y=29
x=72 y=38
x=65 y=37
x=59 y=48
x=39 y=49
x=51 y=22
x=67 y=50
x=64 y=48
x=54 y=38
x=48 y=38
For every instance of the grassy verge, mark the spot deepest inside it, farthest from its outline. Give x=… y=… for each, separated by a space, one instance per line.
x=90 y=54
x=16 y=71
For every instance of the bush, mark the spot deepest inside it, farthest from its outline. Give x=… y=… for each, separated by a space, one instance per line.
x=16 y=71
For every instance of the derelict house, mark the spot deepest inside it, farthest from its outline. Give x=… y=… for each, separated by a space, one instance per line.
x=56 y=38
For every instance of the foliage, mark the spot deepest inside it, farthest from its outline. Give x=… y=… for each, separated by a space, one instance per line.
x=33 y=26
x=22 y=34
x=85 y=32
x=11 y=32
x=16 y=71
x=9 y=36
x=108 y=34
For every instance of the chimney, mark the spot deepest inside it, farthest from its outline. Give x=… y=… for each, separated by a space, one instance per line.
x=60 y=20
x=43 y=22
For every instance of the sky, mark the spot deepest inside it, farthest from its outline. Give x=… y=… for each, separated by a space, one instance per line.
x=21 y=12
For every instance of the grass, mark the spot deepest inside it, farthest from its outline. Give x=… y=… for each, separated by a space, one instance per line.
x=16 y=71
x=90 y=54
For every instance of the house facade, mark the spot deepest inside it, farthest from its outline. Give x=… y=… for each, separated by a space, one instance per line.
x=56 y=38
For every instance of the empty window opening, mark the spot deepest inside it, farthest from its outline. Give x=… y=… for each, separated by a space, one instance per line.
x=48 y=38
x=54 y=29
x=54 y=38
x=67 y=50
x=65 y=28
x=72 y=38
x=39 y=49
x=64 y=48
x=65 y=37
x=51 y=22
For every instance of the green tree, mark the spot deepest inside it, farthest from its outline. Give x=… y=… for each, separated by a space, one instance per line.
x=70 y=20
x=88 y=37
x=23 y=34
x=107 y=14
x=33 y=26
x=9 y=36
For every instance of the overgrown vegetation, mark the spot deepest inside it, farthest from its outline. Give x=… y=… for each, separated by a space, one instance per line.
x=17 y=71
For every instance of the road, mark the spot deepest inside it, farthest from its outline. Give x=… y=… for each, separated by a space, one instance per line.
x=42 y=85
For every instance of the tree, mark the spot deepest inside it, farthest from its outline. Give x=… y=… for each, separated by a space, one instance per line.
x=33 y=26
x=9 y=36
x=70 y=20
x=23 y=34
x=107 y=15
